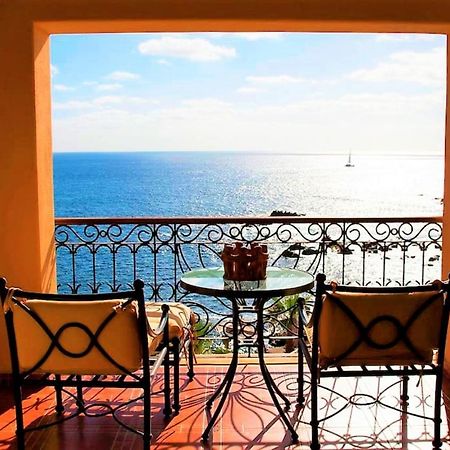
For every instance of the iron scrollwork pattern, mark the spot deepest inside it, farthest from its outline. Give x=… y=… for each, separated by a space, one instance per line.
x=95 y=255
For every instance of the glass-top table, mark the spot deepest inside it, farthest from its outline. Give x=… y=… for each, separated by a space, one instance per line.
x=279 y=282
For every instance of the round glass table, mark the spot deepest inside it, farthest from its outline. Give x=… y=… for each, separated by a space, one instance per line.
x=279 y=282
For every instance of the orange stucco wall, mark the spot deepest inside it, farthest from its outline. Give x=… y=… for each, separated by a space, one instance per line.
x=26 y=192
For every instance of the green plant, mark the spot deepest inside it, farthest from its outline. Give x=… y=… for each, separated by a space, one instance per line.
x=284 y=316
x=207 y=345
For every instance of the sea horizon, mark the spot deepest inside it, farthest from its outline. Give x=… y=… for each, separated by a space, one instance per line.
x=251 y=152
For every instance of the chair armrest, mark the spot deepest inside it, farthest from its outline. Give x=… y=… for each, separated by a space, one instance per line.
x=306 y=321
x=306 y=318
x=163 y=323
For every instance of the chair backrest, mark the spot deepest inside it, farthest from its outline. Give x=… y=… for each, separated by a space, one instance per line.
x=380 y=326
x=98 y=334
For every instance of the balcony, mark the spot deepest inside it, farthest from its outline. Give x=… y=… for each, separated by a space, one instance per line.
x=95 y=255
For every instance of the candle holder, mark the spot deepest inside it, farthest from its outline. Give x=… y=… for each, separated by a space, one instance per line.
x=245 y=262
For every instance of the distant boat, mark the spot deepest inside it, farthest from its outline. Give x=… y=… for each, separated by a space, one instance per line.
x=349 y=162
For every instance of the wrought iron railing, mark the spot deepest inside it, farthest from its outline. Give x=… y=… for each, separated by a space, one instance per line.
x=95 y=255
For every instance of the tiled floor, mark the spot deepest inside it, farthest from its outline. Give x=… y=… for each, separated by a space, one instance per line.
x=249 y=420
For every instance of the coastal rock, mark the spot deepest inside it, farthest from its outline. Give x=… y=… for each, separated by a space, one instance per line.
x=279 y=213
x=288 y=253
x=310 y=251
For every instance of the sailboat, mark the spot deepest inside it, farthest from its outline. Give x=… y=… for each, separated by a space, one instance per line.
x=349 y=162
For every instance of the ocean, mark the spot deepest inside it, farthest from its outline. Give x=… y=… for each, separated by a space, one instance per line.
x=131 y=184
x=237 y=184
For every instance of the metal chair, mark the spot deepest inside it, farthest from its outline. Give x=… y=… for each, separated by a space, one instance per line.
x=180 y=340
x=85 y=341
x=356 y=331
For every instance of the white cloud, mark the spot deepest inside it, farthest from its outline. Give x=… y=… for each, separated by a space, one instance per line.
x=427 y=68
x=53 y=70
x=359 y=107
x=90 y=83
x=62 y=88
x=122 y=76
x=193 y=49
x=369 y=122
x=249 y=90
x=195 y=109
x=123 y=100
x=107 y=99
x=104 y=102
x=108 y=86
x=276 y=79
x=163 y=62
x=403 y=37
x=206 y=104
x=71 y=105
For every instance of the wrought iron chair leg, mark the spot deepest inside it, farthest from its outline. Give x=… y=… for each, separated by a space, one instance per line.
x=437 y=442
x=191 y=373
x=167 y=390
x=176 y=374
x=20 y=432
x=300 y=395
x=80 y=400
x=59 y=408
x=315 y=445
x=404 y=395
x=147 y=437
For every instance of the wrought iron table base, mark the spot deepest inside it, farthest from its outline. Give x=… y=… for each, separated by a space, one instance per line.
x=225 y=385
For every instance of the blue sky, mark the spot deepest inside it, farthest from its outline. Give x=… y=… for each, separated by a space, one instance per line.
x=268 y=92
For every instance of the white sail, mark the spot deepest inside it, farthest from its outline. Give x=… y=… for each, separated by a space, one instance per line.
x=349 y=162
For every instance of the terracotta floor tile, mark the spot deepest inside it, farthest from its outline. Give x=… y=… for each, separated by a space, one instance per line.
x=248 y=421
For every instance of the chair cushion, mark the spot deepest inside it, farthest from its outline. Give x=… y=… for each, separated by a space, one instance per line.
x=119 y=338
x=337 y=331
x=179 y=321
